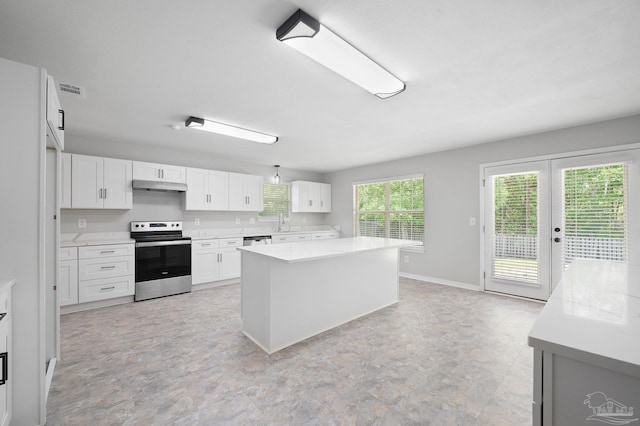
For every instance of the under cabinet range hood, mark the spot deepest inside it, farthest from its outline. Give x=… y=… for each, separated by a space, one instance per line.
x=152 y=185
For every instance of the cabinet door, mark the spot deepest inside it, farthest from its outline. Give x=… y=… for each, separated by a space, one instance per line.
x=55 y=114
x=237 y=195
x=218 y=183
x=68 y=282
x=173 y=173
x=146 y=171
x=300 y=197
x=229 y=263
x=65 y=181
x=5 y=396
x=117 y=184
x=197 y=195
x=325 y=197
x=86 y=182
x=204 y=264
x=254 y=191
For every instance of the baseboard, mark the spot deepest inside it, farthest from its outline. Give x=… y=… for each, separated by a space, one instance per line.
x=69 y=309
x=440 y=281
x=49 y=376
x=214 y=284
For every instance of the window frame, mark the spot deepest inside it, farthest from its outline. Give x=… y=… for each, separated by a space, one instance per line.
x=273 y=217
x=387 y=211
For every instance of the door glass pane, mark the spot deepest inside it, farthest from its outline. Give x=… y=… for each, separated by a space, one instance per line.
x=516 y=237
x=594 y=213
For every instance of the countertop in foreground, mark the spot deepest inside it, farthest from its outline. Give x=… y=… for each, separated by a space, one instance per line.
x=313 y=250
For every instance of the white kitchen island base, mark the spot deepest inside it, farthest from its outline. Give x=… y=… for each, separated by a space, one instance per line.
x=291 y=292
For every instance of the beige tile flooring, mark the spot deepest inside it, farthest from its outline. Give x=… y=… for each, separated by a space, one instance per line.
x=442 y=356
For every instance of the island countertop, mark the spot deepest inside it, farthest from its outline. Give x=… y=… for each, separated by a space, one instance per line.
x=313 y=250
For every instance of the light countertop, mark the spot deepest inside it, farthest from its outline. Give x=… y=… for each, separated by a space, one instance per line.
x=313 y=250
x=594 y=315
x=95 y=239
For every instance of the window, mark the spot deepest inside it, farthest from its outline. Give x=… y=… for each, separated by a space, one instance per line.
x=390 y=209
x=276 y=201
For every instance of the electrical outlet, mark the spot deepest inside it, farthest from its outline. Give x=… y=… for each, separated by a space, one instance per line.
x=237 y=221
x=196 y=221
x=406 y=259
x=304 y=220
x=82 y=223
x=472 y=221
x=252 y=221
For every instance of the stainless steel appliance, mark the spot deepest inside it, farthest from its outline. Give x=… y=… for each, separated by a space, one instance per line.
x=163 y=259
x=257 y=240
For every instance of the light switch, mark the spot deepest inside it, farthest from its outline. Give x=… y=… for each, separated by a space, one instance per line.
x=472 y=221
x=196 y=221
x=82 y=223
x=237 y=221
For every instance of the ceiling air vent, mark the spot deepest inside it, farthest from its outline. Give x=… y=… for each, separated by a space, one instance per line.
x=72 y=90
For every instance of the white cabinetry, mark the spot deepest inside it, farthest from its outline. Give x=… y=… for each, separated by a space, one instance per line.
x=55 y=114
x=68 y=276
x=159 y=172
x=100 y=183
x=65 y=180
x=6 y=379
x=105 y=272
x=291 y=238
x=310 y=197
x=245 y=192
x=215 y=260
x=207 y=190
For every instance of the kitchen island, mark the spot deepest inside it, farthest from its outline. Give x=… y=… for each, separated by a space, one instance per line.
x=293 y=291
x=586 y=347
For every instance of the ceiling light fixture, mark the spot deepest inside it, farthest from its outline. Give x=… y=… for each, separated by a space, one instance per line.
x=309 y=37
x=276 y=178
x=229 y=130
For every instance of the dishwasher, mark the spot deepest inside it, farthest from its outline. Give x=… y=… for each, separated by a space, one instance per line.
x=257 y=240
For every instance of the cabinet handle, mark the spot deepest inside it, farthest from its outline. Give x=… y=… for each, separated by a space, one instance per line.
x=321 y=203
x=107 y=251
x=61 y=111
x=220 y=257
x=205 y=245
x=108 y=288
x=105 y=193
x=108 y=267
x=310 y=203
x=5 y=367
x=100 y=193
x=162 y=173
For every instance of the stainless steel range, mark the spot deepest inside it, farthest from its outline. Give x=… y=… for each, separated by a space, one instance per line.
x=163 y=259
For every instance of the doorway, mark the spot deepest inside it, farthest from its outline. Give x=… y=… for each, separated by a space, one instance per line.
x=541 y=216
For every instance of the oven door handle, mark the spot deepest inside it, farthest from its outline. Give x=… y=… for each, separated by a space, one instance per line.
x=163 y=243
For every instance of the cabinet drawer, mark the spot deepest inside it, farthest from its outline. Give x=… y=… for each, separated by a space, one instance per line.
x=68 y=253
x=91 y=269
x=318 y=236
x=276 y=239
x=300 y=237
x=333 y=234
x=107 y=288
x=231 y=242
x=204 y=245
x=111 y=250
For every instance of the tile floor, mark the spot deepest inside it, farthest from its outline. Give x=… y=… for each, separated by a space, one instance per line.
x=442 y=356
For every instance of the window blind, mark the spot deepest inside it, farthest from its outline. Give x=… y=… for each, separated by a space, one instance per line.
x=516 y=236
x=390 y=209
x=276 y=200
x=595 y=213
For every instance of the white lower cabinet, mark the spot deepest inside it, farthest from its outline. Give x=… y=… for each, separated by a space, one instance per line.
x=6 y=378
x=292 y=238
x=68 y=276
x=215 y=260
x=105 y=272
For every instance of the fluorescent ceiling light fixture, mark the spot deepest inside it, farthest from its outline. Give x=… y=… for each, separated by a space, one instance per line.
x=229 y=130
x=309 y=37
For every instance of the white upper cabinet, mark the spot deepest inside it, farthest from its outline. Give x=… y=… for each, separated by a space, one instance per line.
x=55 y=114
x=100 y=183
x=65 y=180
x=207 y=190
x=310 y=197
x=159 y=172
x=245 y=192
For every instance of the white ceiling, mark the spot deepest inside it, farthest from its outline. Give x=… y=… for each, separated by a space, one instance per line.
x=475 y=71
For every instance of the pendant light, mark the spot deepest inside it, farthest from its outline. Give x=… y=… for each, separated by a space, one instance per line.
x=276 y=177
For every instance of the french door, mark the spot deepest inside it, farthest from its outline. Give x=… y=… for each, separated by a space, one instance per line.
x=541 y=216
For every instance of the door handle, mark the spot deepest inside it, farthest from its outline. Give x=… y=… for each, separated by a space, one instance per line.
x=61 y=112
x=556 y=229
x=557 y=240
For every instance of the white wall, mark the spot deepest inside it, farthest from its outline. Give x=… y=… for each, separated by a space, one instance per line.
x=452 y=194
x=151 y=205
x=20 y=154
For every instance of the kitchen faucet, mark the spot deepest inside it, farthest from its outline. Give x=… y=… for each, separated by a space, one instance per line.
x=280 y=222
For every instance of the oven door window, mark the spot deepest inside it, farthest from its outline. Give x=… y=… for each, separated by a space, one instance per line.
x=158 y=262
